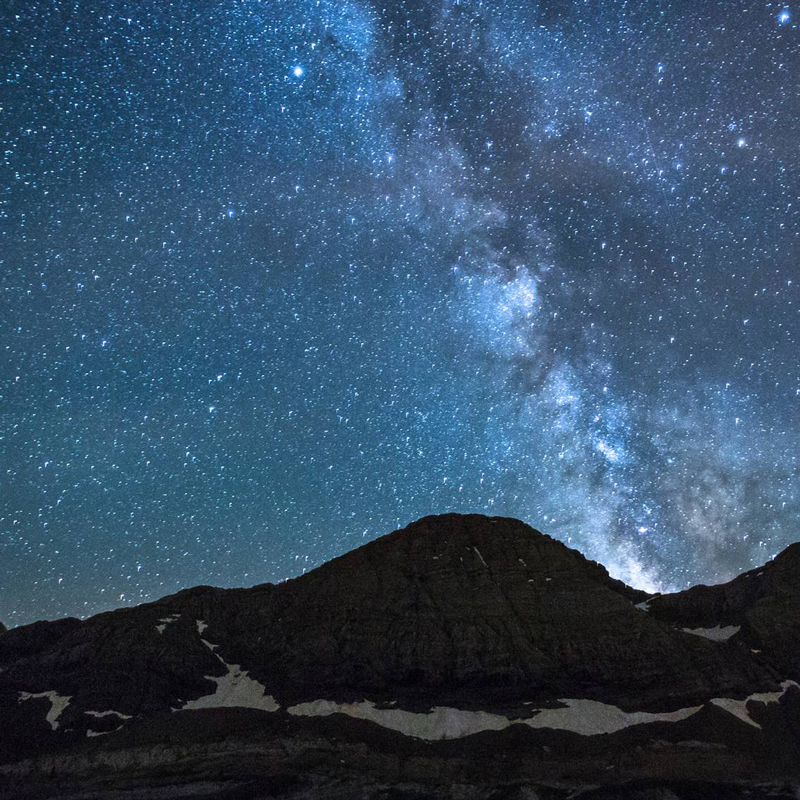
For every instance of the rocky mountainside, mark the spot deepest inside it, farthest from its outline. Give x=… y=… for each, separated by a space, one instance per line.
x=461 y=650
x=762 y=608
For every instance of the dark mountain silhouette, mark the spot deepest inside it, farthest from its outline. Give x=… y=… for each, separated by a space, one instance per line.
x=461 y=649
x=764 y=604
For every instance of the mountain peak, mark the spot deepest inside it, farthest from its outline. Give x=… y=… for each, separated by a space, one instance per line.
x=464 y=542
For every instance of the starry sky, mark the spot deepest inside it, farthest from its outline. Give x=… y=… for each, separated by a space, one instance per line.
x=280 y=277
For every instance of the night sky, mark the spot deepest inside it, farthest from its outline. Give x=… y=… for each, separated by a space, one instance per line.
x=281 y=277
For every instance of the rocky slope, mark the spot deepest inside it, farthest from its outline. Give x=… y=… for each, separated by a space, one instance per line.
x=442 y=649
x=762 y=608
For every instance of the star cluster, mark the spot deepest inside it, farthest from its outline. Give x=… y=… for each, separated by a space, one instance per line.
x=280 y=277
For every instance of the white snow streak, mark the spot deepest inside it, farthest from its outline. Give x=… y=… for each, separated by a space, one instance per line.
x=107 y=714
x=739 y=707
x=166 y=621
x=236 y=689
x=715 y=634
x=100 y=714
x=57 y=704
x=590 y=717
x=586 y=717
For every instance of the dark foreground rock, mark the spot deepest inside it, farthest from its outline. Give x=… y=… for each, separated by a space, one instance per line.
x=463 y=656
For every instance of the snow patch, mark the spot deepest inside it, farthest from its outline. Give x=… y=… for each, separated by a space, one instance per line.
x=645 y=606
x=201 y=626
x=736 y=707
x=236 y=689
x=585 y=717
x=715 y=634
x=440 y=723
x=739 y=707
x=108 y=714
x=590 y=717
x=166 y=621
x=57 y=704
x=478 y=553
x=100 y=714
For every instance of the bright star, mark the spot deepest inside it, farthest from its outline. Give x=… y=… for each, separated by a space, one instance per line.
x=784 y=16
x=741 y=143
x=298 y=71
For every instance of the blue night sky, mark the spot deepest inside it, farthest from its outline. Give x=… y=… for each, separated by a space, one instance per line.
x=280 y=277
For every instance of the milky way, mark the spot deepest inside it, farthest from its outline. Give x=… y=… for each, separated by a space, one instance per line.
x=280 y=277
